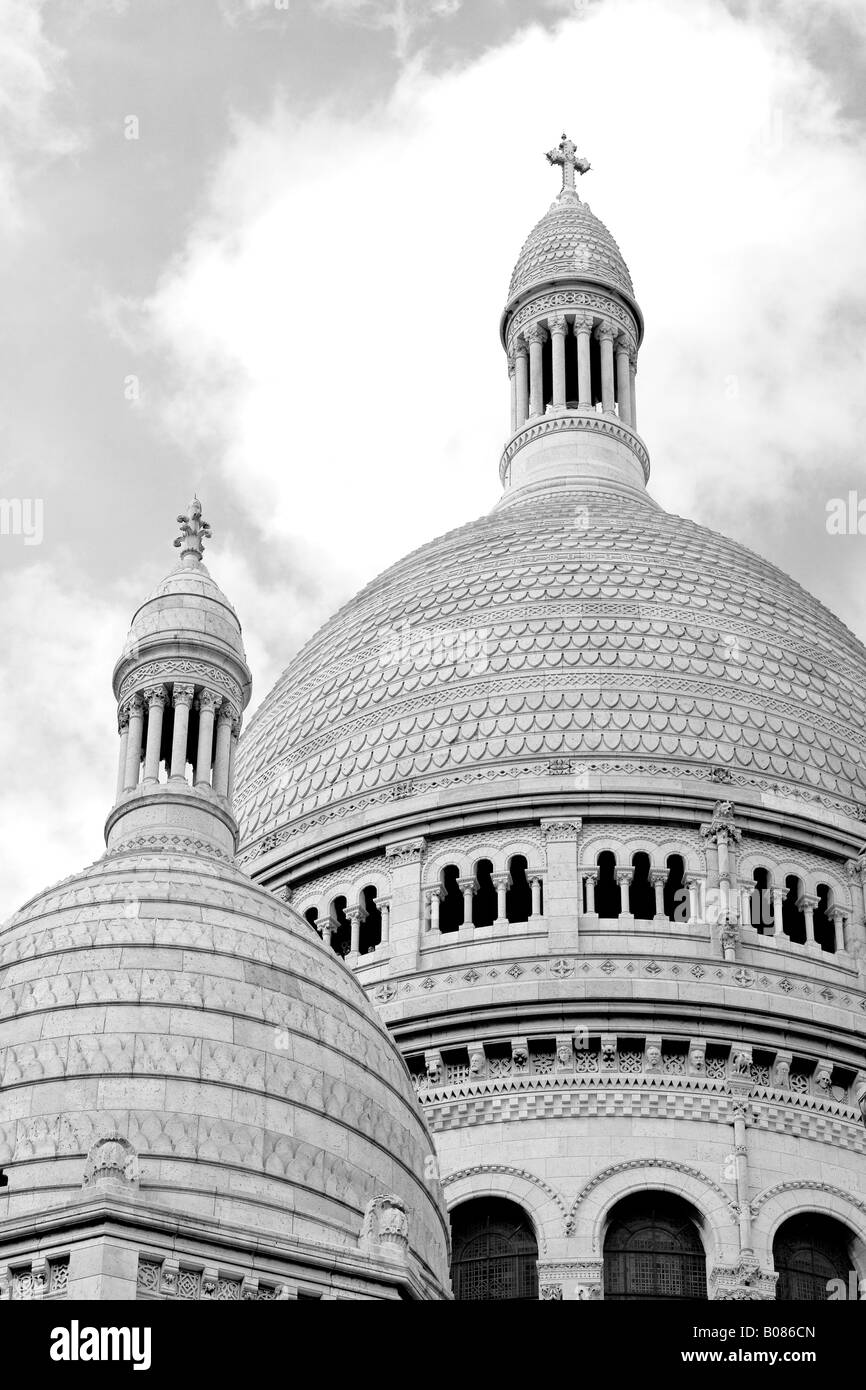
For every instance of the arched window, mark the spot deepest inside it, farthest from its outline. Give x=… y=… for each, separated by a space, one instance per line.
x=485 y=903
x=676 y=895
x=495 y=1253
x=641 y=895
x=608 y=898
x=761 y=903
x=652 y=1250
x=825 y=931
x=451 y=906
x=341 y=931
x=793 y=921
x=518 y=899
x=809 y=1251
x=312 y=916
x=371 y=921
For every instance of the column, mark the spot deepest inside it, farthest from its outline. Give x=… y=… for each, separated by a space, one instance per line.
x=385 y=909
x=632 y=385
x=807 y=905
x=500 y=883
x=327 y=928
x=582 y=331
x=433 y=899
x=521 y=377
x=590 y=880
x=741 y=1157
x=512 y=382
x=208 y=704
x=467 y=887
x=156 y=699
x=123 y=730
x=354 y=916
x=624 y=878
x=692 y=888
x=558 y=328
x=133 y=745
x=779 y=896
x=233 y=753
x=837 y=917
x=605 y=333
x=535 y=889
x=222 y=759
x=182 y=697
x=623 y=380
x=536 y=336
x=746 y=905
x=658 y=879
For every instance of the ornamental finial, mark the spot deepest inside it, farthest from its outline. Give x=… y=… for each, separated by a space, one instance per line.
x=193 y=532
x=566 y=155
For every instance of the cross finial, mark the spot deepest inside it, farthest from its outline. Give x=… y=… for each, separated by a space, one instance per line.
x=566 y=155
x=193 y=532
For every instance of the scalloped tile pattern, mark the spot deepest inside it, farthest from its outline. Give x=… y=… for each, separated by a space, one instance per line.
x=570 y=241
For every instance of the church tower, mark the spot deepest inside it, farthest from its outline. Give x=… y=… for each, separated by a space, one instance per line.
x=577 y=793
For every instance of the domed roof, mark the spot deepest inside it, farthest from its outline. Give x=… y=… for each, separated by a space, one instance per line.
x=575 y=630
x=163 y=997
x=570 y=242
x=188 y=603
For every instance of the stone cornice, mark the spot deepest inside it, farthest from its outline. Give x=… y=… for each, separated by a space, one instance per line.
x=569 y=421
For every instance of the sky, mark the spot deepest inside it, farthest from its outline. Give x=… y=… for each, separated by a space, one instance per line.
x=259 y=249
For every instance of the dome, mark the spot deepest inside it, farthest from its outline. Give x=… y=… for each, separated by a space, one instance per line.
x=165 y=1000
x=188 y=604
x=570 y=243
x=577 y=631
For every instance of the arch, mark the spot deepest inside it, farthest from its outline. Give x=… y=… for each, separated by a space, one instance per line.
x=675 y=894
x=608 y=893
x=451 y=910
x=775 y=1204
x=542 y=1204
x=811 y=1251
x=370 y=935
x=312 y=916
x=641 y=894
x=494 y=1252
x=485 y=903
x=793 y=919
x=518 y=897
x=715 y=1207
x=653 y=1249
x=433 y=869
x=761 y=901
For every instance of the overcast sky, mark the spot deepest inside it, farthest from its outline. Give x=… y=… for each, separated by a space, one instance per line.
x=259 y=248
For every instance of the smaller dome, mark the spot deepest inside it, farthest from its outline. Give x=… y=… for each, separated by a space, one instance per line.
x=186 y=605
x=570 y=242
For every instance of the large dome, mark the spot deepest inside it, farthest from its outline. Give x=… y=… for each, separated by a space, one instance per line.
x=575 y=632
x=165 y=999
x=570 y=243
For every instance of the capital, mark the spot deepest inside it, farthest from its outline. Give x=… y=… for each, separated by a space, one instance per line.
x=807 y=903
x=557 y=323
x=226 y=714
x=536 y=333
x=519 y=348
x=207 y=700
x=658 y=876
x=623 y=876
x=123 y=717
x=583 y=323
x=156 y=696
x=467 y=885
x=183 y=695
x=500 y=880
x=606 y=332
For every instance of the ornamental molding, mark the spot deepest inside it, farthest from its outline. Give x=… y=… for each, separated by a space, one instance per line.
x=403 y=852
x=569 y=422
x=172 y=669
x=559 y=831
x=804 y=1185
x=741 y=1281
x=559 y=300
x=168 y=841
x=476 y=1169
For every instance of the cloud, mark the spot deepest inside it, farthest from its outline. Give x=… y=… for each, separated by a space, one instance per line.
x=333 y=318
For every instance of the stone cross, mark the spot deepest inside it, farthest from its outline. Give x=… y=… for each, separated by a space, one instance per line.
x=193 y=532
x=566 y=155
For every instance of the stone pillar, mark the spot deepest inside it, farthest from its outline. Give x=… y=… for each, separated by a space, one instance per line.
x=385 y=909
x=512 y=382
x=222 y=758
x=837 y=917
x=623 y=380
x=605 y=335
x=156 y=698
x=354 y=916
x=741 y=1156
x=745 y=904
x=582 y=331
x=624 y=878
x=467 y=887
x=536 y=336
x=233 y=756
x=779 y=896
x=535 y=889
x=590 y=880
x=133 y=744
x=807 y=905
x=632 y=387
x=558 y=327
x=208 y=704
x=658 y=879
x=123 y=730
x=561 y=882
x=405 y=861
x=693 y=890
x=434 y=898
x=327 y=928
x=521 y=376
x=500 y=883
x=182 y=697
